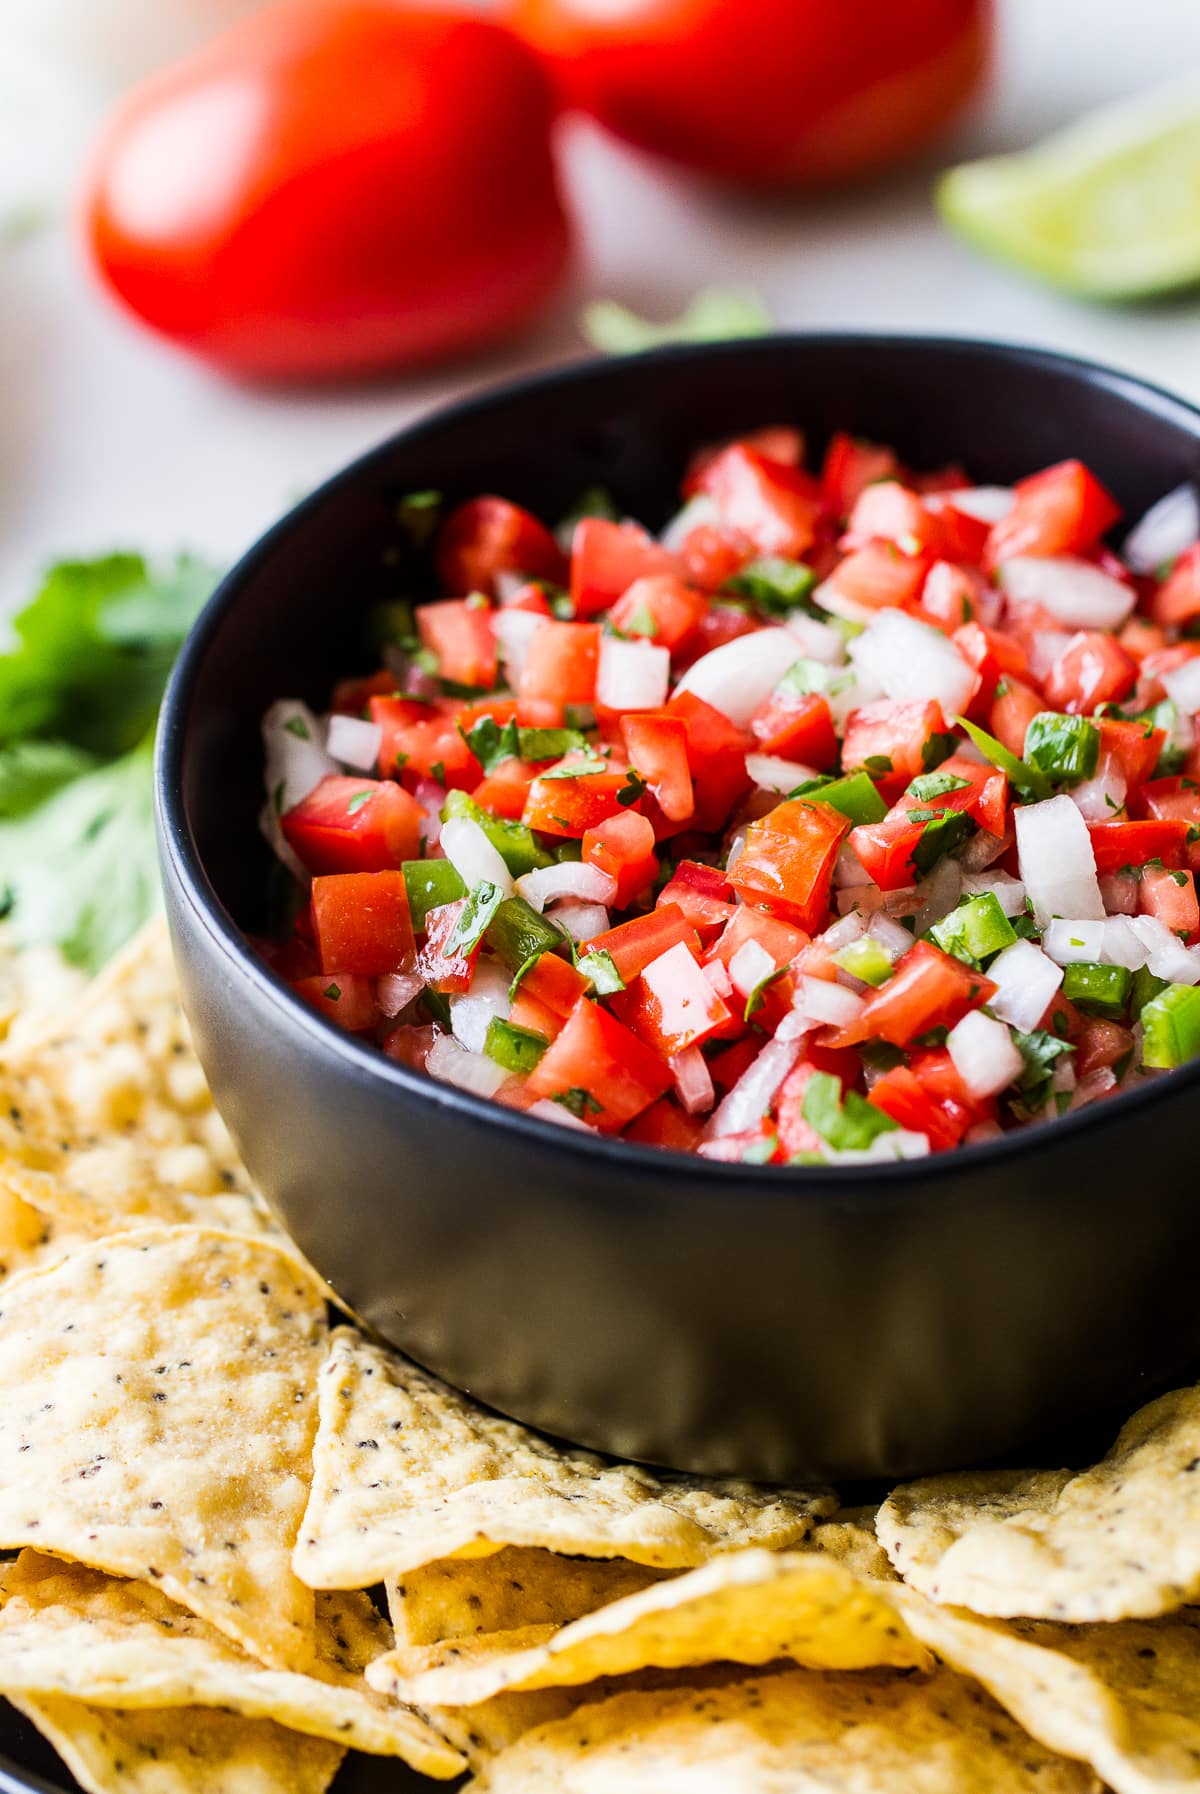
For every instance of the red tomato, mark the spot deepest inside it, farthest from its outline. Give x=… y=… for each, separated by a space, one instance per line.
x=716 y=750
x=354 y=825
x=900 y=1094
x=661 y=606
x=1092 y=669
x=572 y=806
x=766 y=91
x=1171 y=896
x=423 y=741
x=672 y=1006
x=657 y=746
x=347 y=999
x=664 y=1123
x=489 y=536
x=703 y=893
x=333 y=186
x=443 y=967
x=1177 y=797
x=632 y=945
x=850 y=466
x=1117 y=844
x=1177 y=600
x=555 y=983
x=928 y=989
x=776 y=507
x=1059 y=511
x=775 y=937
x=1013 y=709
x=896 y=733
x=597 y=1054
x=606 y=559
x=623 y=846
x=560 y=669
x=798 y=727
x=460 y=633
x=362 y=922
x=881 y=575
x=787 y=863
x=1135 y=748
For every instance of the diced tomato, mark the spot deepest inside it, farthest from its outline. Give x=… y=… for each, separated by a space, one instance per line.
x=607 y=558
x=554 y=982
x=596 y=1054
x=488 y=536
x=362 y=922
x=898 y=734
x=938 y=1076
x=1140 y=637
x=721 y=623
x=345 y=998
x=664 y=1123
x=716 y=751
x=704 y=895
x=632 y=945
x=851 y=466
x=351 y=696
x=900 y=1094
x=505 y=790
x=293 y=959
x=572 y=806
x=623 y=846
x=886 y=511
x=775 y=442
x=657 y=747
x=961 y=538
x=776 y=937
x=1059 y=511
x=787 y=863
x=928 y=989
x=409 y=1045
x=1013 y=709
x=450 y=971
x=1177 y=600
x=662 y=607
x=423 y=741
x=1117 y=844
x=1092 y=669
x=354 y=825
x=1100 y=1043
x=885 y=849
x=1171 y=897
x=797 y=726
x=994 y=656
x=795 y=1134
x=1134 y=747
x=728 y=1064
x=984 y=797
x=560 y=669
x=710 y=556
x=672 y=1006
x=759 y=1144
x=459 y=631
x=1150 y=689
x=776 y=507
x=528 y=1012
x=530 y=597
x=881 y=576
x=1177 y=798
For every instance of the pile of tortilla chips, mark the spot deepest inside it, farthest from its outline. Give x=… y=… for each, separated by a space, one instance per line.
x=238 y=1543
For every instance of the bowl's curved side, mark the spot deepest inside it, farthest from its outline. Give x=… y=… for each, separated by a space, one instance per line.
x=703 y=1316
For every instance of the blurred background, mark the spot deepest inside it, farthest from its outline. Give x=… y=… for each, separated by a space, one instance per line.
x=111 y=436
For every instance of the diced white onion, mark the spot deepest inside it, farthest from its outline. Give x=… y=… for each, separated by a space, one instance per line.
x=1074 y=591
x=632 y=675
x=582 y=921
x=1098 y=799
x=850 y=928
x=1121 y=892
x=1166 y=955
x=1026 y=981
x=1009 y=892
x=771 y=773
x=892 y=937
x=432 y=797
x=514 y=631
x=820 y=641
x=1046 y=648
x=1182 y=686
x=295 y=753
x=1095 y=1085
x=693 y=1081
x=472 y=855
x=450 y=1061
x=1058 y=867
x=885 y=1149
x=985 y=1055
x=831 y=1004
x=848 y=870
x=739 y=675
x=1167 y=528
x=982 y=849
x=752 y=1095
x=938 y=894
x=509 y=584
x=545 y=1110
x=914 y=662
x=396 y=990
x=1123 y=945
x=717 y=974
x=698 y=513
x=488 y=996
x=988 y=503
x=354 y=742
x=1069 y=942
x=573 y=878
x=838 y=605
x=749 y=966
x=681 y=992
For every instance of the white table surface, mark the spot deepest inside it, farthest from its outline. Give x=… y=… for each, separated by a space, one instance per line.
x=108 y=438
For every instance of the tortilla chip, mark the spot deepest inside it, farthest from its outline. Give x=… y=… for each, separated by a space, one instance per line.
x=180 y=1751
x=463 y=1597
x=1120 y=1541
x=407 y=1471
x=66 y=1630
x=160 y=1411
x=789 y=1734
x=36 y=985
x=750 y=1607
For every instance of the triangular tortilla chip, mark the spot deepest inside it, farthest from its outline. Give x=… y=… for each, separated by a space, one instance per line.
x=464 y=1597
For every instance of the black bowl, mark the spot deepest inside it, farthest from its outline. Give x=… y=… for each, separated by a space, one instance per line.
x=776 y=1323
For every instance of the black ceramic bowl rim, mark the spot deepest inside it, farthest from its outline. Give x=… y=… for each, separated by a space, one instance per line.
x=174 y=830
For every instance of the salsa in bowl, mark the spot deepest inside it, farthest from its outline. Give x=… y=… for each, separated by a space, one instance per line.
x=850 y=817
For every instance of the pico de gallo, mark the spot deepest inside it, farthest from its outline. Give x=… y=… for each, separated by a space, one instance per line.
x=854 y=816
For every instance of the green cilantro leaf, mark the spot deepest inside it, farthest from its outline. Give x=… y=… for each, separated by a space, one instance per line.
x=848 y=1126
x=481 y=905
x=579 y=1103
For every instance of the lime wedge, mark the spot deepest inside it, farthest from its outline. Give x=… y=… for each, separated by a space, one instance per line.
x=1108 y=208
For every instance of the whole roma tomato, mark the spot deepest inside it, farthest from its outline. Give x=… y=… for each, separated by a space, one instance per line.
x=333 y=186
x=767 y=92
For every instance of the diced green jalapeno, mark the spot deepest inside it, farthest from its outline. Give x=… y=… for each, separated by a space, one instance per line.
x=512 y=840
x=516 y=934
x=429 y=884
x=1102 y=990
x=976 y=930
x=1172 y=1023
x=516 y=1049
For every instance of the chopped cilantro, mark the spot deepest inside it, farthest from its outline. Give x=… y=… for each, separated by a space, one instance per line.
x=847 y=1125
x=578 y=1103
x=633 y=788
x=476 y=915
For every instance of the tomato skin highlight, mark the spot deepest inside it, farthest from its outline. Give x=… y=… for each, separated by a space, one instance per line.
x=300 y=240
x=362 y=922
x=766 y=92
